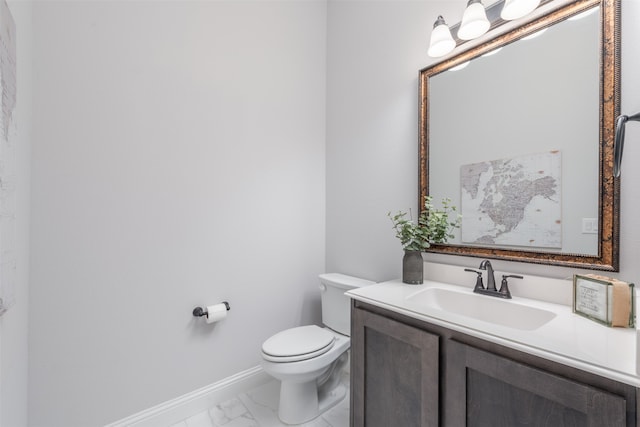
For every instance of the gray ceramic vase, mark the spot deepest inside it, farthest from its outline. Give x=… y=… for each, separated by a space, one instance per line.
x=412 y=267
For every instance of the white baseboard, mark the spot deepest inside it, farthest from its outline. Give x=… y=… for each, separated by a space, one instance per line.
x=180 y=408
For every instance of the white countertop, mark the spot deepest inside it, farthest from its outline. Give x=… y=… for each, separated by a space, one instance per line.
x=568 y=338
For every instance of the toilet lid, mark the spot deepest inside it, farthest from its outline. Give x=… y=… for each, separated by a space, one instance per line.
x=303 y=342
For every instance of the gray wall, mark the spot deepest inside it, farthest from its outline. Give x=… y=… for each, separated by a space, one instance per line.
x=178 y=160
x=375 y=50
x=14 y=323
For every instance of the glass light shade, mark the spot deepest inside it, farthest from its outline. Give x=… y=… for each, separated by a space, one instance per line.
x=514 y=9
x=474 y=21
x=441 y=40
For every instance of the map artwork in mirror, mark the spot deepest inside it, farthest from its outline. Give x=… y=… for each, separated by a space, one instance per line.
x=513 y=202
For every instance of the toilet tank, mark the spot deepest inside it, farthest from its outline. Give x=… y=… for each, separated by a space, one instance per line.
x=336 y=306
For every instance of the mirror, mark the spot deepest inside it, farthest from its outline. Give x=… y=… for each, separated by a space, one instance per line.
x=519 y=131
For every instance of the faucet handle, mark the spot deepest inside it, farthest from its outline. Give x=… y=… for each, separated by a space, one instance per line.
x=504 y=287
x=479 y=284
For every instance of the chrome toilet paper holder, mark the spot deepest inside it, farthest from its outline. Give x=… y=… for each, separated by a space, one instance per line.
x=199 y=311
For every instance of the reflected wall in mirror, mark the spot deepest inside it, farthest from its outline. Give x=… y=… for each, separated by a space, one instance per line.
x=519 y=133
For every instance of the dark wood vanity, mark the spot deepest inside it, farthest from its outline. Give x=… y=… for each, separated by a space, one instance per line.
x=411 y=373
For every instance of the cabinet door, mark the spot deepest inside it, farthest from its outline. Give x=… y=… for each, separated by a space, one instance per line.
x=394 y=373
x=484 y=389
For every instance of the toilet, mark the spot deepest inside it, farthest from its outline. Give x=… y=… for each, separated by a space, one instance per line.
x=308 y=360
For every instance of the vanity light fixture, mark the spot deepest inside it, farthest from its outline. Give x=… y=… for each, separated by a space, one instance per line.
x=441 y=40
x=618 y=144
x=514 y=9
x=474 y=21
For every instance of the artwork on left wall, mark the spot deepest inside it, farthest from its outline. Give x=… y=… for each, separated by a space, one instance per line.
x=8 y=142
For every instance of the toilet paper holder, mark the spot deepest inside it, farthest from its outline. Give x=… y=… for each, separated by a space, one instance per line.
x=199 y=311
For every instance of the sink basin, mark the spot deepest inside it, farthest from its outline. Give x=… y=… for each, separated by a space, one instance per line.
x=486 y=308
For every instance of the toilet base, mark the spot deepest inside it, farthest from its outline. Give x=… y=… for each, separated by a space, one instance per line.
x=303 y=401
x=300 y=403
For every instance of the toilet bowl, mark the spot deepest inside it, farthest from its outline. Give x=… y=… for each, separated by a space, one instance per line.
x=308 y=360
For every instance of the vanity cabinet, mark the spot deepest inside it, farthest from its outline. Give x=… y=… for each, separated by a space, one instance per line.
x=485 y=389
x=395 y=369
x=410 y=373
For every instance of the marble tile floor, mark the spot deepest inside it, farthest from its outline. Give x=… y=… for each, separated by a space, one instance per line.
x=259 y=408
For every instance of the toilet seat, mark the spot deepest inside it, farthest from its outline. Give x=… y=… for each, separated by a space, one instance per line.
x=296 y=344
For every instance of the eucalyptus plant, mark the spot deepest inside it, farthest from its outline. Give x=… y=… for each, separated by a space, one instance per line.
x=433 y=225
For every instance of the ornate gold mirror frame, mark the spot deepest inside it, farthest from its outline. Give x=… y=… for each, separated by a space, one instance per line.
x=609 y=191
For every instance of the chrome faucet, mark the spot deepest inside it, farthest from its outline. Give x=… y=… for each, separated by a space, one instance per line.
x=491 y=280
